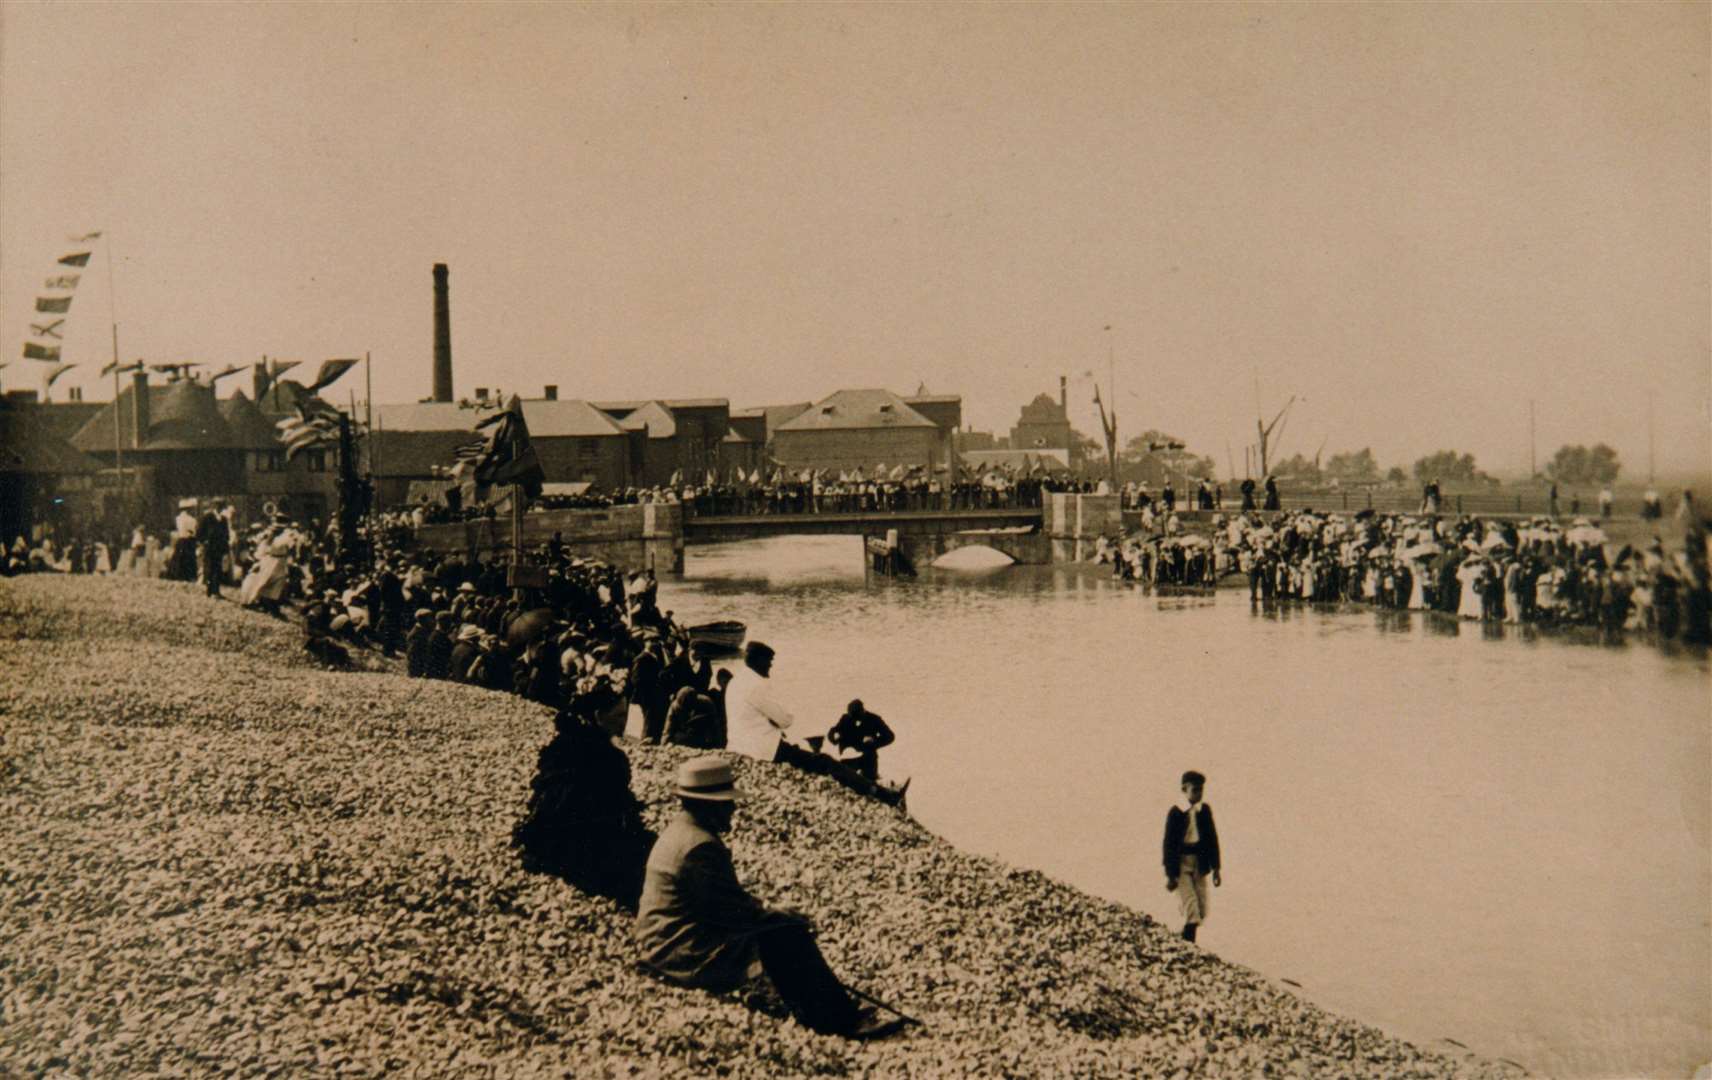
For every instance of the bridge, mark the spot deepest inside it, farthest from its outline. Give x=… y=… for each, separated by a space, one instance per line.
x=655 y=535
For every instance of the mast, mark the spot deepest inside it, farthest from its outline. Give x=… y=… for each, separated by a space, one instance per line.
x=113 y=321
x=1533 y=463
x=1651 y=446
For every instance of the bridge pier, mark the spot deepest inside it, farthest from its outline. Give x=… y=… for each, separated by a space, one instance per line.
x=1075 y=523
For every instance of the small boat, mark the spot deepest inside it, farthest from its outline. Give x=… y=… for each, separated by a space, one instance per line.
x=727 y=634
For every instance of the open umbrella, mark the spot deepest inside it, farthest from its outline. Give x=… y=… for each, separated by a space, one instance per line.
x=529 y=627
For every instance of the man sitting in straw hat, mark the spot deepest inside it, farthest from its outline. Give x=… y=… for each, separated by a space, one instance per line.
x=697 y=926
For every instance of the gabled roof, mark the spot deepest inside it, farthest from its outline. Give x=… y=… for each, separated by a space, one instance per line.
x=546 y=419
x=654 y=418
x=62 y=419
x=281 y=398
x=249 y=428
x=862 y=409
x=183 y=415
x=28 y=445
x=623 y=408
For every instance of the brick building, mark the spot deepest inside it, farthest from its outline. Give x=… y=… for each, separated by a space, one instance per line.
x=575 y=441
x=1044 y=424
x=863 y=428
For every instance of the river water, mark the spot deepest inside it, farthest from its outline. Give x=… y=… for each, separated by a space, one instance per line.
x=1499 y=838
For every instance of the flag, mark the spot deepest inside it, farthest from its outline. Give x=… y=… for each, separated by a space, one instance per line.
x=136 y=365
x=214 y=379
x=85 y=238
x=510 y=457
x=63 y=281
x=32 y=351
x=53 y=306
x=81 y=258
x=276 y=367
x=329 y=373
x=57 y=370
x=315 y=425
x=471 y=451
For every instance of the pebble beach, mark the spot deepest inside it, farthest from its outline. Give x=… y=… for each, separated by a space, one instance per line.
x=224 y=859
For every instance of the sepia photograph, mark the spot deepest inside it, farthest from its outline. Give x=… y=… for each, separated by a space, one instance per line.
x=748 y=539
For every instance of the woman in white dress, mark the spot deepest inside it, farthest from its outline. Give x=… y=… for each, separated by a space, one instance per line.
x=1472 y=574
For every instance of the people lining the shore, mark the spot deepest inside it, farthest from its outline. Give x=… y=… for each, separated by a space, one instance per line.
x=697 y=926
x=1531 y=571
x=1191 y=853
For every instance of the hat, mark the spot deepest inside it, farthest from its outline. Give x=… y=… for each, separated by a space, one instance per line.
x=340 y=622
x=424 y=613
x=468 y=631
x=707 y=778
x=757 y=650
x=466 y=587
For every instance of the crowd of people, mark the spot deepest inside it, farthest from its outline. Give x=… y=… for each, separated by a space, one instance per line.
x=1525 y=571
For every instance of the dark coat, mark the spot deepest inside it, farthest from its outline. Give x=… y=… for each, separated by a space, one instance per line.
x=439 y=656
x=416 y=650
x=1176 y=826
x=212 y=534
x=696 y=924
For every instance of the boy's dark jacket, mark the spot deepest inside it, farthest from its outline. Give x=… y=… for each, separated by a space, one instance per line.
x=1176 y=825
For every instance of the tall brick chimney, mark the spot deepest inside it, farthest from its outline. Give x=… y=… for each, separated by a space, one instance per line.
x=442 y=336
x=139 y=409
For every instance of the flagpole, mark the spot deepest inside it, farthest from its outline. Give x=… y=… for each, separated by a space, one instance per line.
x=113 y=323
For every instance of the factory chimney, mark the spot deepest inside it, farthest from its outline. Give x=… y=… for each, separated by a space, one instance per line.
x=442 y=336
x=139 y=409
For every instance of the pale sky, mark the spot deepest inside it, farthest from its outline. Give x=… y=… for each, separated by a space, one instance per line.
x=1415 y=217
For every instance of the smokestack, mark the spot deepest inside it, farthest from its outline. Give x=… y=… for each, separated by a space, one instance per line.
x=1063 y=392
x=442 y=336
x=139 y=409
x=551 y=391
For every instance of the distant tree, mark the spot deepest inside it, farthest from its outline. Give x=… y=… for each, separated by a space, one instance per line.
x=1584 y=465
x=1297 y=468
x=1451 y=468
x=1085 y=450
x=1354 y=467
x=1396 y=475
x=1154 y=455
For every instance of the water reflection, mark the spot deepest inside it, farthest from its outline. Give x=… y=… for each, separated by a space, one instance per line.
x=1476 y=785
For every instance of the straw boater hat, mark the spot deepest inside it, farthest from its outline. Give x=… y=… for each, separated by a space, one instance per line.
x=707 y=778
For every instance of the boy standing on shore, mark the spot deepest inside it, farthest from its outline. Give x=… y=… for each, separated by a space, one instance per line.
x=1191 y=853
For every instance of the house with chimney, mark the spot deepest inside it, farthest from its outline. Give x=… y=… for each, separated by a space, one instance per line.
x=1044 y=424
x=413 y=446
x=178 y=440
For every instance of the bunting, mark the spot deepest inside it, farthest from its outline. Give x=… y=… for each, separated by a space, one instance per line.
x=51 y=331
x=329 y=373
x=56 y=371
x=135 y=365
x=214 y=379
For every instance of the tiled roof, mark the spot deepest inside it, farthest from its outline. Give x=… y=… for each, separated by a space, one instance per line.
x=860 y=409
x=29 y=445
x=182 y=416
x=654 y=418
x=546 y=419
x=670 y=403
x=248 y=426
